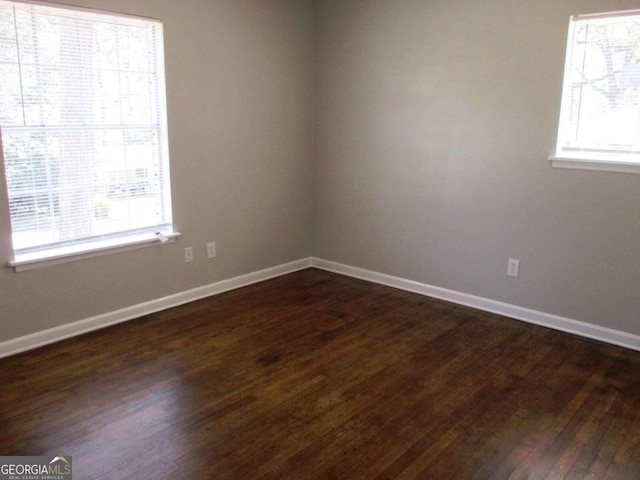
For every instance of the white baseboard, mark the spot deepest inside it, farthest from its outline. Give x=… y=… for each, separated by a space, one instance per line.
x=555 y=322
x=38 y=339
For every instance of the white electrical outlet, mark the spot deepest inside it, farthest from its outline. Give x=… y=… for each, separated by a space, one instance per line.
x=188 y=255
x=211 y=249
x=513 y=267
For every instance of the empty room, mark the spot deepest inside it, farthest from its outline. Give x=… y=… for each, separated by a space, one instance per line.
x=297 y=239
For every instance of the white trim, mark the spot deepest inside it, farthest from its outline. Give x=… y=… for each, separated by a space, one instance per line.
x=96 y=248
x=605 y=15
x=555 y=322
x=87 y=10
x=594 y=165
x=38 y=339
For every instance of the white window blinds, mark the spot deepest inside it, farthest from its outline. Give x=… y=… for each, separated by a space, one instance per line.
x=83 y=122
x=600 y=114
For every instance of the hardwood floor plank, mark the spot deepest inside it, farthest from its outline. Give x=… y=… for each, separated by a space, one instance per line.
x=315 y=375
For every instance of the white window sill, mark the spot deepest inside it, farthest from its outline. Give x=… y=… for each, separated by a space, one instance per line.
x=592 y=164
x=97 y=248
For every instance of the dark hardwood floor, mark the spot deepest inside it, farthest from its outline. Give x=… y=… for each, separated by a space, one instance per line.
x=314 y=375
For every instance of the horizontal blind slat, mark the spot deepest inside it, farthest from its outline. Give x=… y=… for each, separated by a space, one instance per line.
x=83 y=124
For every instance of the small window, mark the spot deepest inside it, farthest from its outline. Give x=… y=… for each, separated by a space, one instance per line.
x=600 y=113
x=84 y=131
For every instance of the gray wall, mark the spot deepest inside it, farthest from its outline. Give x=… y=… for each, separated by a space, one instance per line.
x=430 y=123
x=240 y=110
x=434 y=123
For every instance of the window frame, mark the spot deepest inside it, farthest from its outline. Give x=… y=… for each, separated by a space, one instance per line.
x=588 y=158
x=133 y=238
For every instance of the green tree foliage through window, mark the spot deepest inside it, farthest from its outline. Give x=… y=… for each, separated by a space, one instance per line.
x=83 y=122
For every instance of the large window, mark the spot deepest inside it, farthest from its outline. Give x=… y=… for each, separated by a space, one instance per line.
x=600 y=113
x=83 y=122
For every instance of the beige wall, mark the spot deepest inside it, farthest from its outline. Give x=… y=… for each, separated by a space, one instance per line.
x=240 y=108
x=432 y=126
x=434 y=123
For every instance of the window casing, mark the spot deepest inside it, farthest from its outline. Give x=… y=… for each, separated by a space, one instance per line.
x=84 y=130
x=599 y=125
